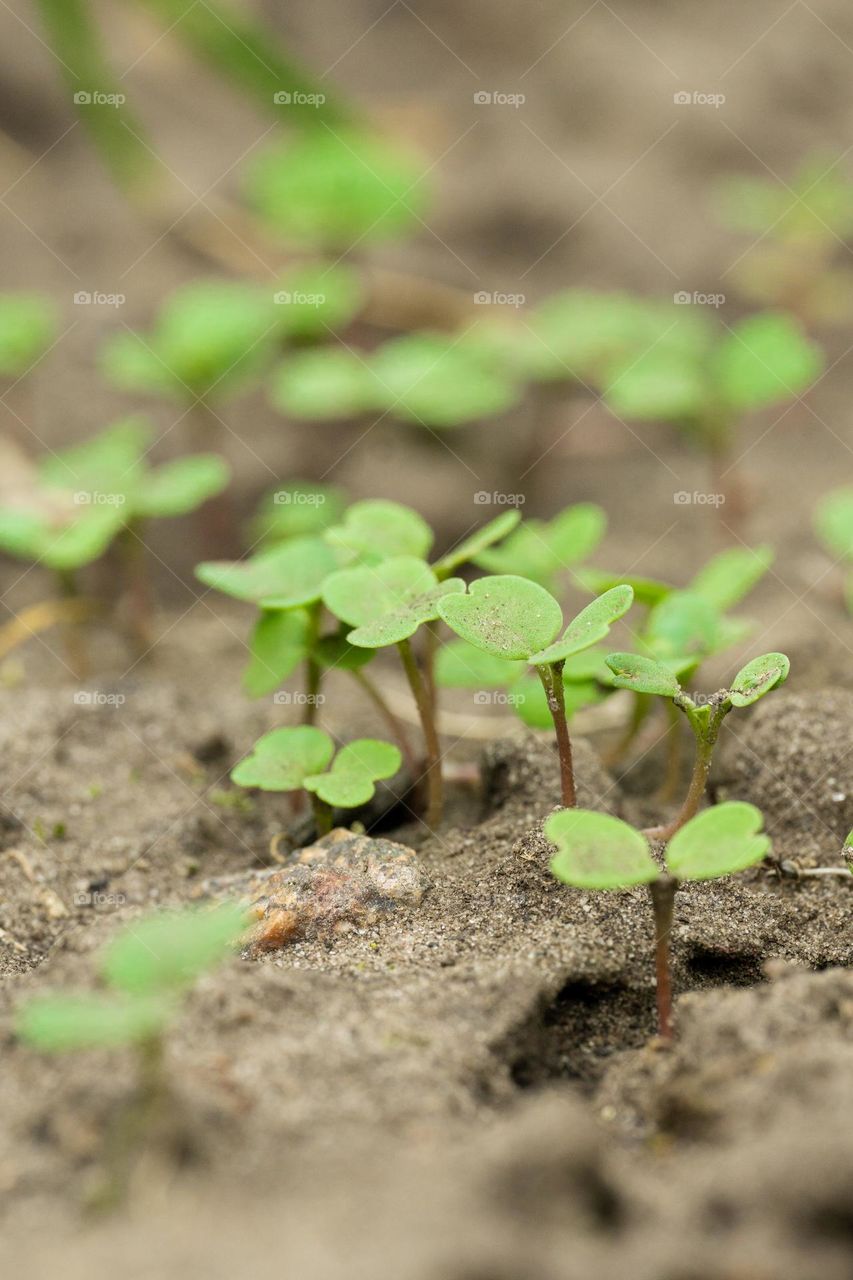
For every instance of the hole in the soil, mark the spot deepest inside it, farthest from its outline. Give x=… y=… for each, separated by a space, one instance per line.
x=724 y=969
x=578 y=1033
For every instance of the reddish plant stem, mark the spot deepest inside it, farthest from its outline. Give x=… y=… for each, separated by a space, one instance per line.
x=435 y=787
x=551 y=676
x=706 y=739
x=662 y=891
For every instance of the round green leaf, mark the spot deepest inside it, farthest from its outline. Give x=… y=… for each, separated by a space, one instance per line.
x=333 y=189
x=576 y=331
x=330 y=382
x=377 y=528
x=317 y=297
x=647 y=591
x=286 y=576
x=731 y=575
x=279 y=642
x=57 y=1024
x=282 y=759
x=643 y=675
x=402 y=622
x=440 y=382
x=110 y=462
x=539 y=550
x=169 y=951
x=83 y=541
x=684 y=624
x=764 y=360
x=507 y=616
x=472 y=546
x=597 y=851
x=717 y=842
x=356 y=768
x=336 y=651
x=591 y=625
x=658 y=384
x=833 y=519
x=181 y=486
x=758 y=677
x=360 y=595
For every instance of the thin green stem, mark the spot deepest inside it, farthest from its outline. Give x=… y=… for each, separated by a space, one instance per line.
x=674 y=755
x=322 y=815
x=662 y=891
x=435 y=787
x=705 y=733
x=137 y=586
x=639 y=712
x=313 y=670
x=551 y=676
x=391 y=720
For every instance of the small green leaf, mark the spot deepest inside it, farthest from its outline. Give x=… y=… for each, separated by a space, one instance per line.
x=28 y=324
x=576 y=331
x=169 y=951
x=295 y=510
x=597 y=851
x=328 y=383
x=659 y=384
x=108 y=463
x=57 y=1024
x=507 y=616
x=402 y=622
x=283 y=578
x=279 y=642
x=647 y=591
x=181 y=486
x=461 y=665
x=364 y=593
x=717 y=842
x=315 y=298
x=336 y=651
x=439 y=382
x=357 y=766
x=643 y=675
x=591 y=625
x=83 y=541
x=474 y=545
x=833 y=519
x=765 y=359
x=333 y=189
x=758 y=677
x=539 y=550
x=731 y=575
x=684 y=624
x=282 y=759
x=376 y=529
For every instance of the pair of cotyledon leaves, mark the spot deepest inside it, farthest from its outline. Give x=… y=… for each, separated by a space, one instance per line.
x=77 y=501
x=290 y=759
x=598 y=851
x=645 y=675
x=147 y=968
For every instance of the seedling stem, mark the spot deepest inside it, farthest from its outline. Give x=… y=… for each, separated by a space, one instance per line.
x=662 y=892
x=435 y=790
x=395 y=727
x=551 y=675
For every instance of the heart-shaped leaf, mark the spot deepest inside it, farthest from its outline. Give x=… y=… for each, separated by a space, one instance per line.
x=168 y=951
x=591 y=625
x=476 y=543
x=376 y=529
x=507 y=616
x=731 y=575
x=758 y=677
x=279 y=642
x=643 y=675
x=57 y=1024
x=282 y=578
x=717 y=842
x=365 y=593
x=765 y=359
x=181 y=486
x=461 y=665
x=357 y=766
x=597 y=851
x=282 y=759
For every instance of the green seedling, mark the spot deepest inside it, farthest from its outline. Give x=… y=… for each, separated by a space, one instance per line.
x=147 y=970
x=705 y=382
x=294 y=510
x=597 y=851
x=795 y=233
x=428 y=379
x=543 y=549
x=79 y=502
x=330 y=189
x=648 y=676
x=514 y=619
x=301 y=758
x=833 y=522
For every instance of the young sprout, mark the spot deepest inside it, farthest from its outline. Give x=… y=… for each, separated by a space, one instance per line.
x=82 y=500
x=597 y=851
x=833 y=522
x=300 y=758
x=645 y=675
x=385 y=604
x=148 y=970
x=706 y=382
x=513 y=618
x=795 y=231
x=542 y=549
